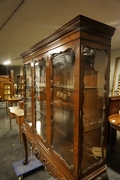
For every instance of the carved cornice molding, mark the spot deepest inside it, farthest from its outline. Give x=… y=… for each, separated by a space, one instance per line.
x=81 y=23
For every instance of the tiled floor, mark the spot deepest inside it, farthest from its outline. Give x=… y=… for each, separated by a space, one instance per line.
x=11 y=150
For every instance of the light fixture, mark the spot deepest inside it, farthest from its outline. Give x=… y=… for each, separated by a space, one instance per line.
x=7 y=62
x=36 y=64
x=32 y=64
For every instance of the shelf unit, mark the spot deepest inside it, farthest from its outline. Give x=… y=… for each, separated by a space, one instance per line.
x=20 y=85
x=6 y=88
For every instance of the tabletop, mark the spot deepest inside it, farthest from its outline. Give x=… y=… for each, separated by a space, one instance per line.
x=115 y=119
x=17 y=111
x=14 y=99
x=19 y=115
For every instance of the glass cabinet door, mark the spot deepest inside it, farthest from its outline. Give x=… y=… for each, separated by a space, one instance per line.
x=6 y=90
x=28 y=94
x=63 y=104
x=40 y=97
x=93 y=106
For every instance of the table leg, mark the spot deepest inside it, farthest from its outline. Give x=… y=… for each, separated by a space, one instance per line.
x=20 y=129
x=6 y=106
x=21 y=120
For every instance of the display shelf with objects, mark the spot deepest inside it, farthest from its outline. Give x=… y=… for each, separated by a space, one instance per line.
x=66 y=80
x=6 y=88
x=20 y=85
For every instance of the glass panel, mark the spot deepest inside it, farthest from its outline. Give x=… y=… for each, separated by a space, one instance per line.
x=63 y=104
x=93 y=117
x=28 y=84
x=40 y=97
x=7 y=91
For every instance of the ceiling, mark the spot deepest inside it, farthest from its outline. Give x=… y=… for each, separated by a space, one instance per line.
x=23 y=23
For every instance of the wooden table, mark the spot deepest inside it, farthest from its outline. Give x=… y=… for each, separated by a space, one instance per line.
x=114 y=126
x=13 y=100
x=17 y=113
x=10 y=101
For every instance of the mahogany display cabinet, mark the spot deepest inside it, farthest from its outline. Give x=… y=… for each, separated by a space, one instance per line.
x=66 y=83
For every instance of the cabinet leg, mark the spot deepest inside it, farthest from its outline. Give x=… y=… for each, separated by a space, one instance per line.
x=112 y=137
x=103 y=177
x=25 y=162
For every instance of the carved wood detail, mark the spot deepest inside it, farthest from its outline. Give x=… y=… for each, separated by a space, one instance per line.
x=40 y=155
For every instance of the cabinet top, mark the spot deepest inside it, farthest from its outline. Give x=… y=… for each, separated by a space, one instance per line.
x=79 y=23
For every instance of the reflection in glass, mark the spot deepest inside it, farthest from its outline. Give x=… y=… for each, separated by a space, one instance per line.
x=94 y=61
x=40 y=97
x=28 y=84
x=63 y=104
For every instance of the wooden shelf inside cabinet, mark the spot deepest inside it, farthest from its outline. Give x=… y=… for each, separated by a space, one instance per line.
x=92 y=127
x=64 y=86
x=42 y=85
x=66 y=92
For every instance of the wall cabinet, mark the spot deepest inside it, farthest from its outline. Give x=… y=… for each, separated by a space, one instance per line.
x=66 y=99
